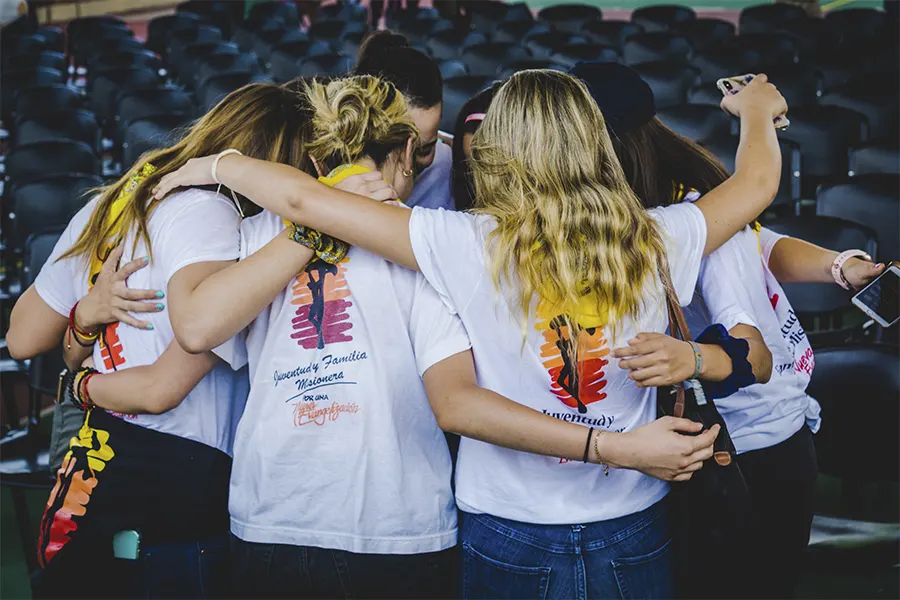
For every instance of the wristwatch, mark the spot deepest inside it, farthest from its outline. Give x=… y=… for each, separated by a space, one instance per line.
x=838 y=264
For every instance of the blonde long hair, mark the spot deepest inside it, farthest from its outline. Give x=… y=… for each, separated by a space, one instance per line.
x=356 y=117
x=261 y=120
x=569 y=228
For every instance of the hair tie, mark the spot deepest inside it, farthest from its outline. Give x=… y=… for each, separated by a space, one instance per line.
x=475 y=117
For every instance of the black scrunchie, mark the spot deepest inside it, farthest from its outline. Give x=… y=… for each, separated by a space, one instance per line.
x=737 y=350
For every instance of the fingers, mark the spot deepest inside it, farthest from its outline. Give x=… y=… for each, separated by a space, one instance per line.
x=683 y=477
x=683 y=425
x=127 y=293
x=701 y=455
x=126 y=318
x=644 y=375
x=640 y=361
x=136 y=265
x=381 y=191
x=645 y=343
x=146 y=307
x=112 y=259
x=706 y=438
x=167 y=184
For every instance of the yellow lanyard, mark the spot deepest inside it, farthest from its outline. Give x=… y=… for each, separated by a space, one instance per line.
x=336 y=176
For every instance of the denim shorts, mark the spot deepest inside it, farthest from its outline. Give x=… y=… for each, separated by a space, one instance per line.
x=626 y=557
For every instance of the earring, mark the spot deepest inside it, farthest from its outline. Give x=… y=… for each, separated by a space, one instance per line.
x=408 y=173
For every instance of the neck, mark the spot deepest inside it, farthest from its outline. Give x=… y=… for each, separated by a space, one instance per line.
x=366 y=162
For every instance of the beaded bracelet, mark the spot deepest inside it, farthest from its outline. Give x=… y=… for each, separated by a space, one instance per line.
x=79 y=389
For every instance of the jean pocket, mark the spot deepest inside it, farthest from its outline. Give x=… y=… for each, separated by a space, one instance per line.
x=646 y=576
x=487 y=578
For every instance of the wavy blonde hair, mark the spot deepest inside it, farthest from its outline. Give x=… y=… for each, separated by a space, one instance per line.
x=261 y=120
x=355 y=117
x=569 y=228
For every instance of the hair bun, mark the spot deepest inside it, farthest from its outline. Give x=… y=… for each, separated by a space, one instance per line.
x=379 y=43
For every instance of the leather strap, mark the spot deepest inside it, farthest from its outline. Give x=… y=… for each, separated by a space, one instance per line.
x=677 y=324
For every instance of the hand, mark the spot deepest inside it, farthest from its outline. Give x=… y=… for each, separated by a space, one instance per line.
x=660 y=448
x=196 y=171
x=371 y=185
x=111 y=299
x=656 y=359
x=860 y=272
x=759 y=94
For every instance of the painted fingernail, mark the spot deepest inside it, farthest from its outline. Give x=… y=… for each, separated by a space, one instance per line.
x=160 y=294
x=160 y=306
x=146 y=259
x=150 y=326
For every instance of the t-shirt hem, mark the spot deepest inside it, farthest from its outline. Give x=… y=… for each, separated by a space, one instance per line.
x=571 y=518
x=348 y=543
x=215 y=257
x=439 y=352
x=47 y=296
x=760 y=440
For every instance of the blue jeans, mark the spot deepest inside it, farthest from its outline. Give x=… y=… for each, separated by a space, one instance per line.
x=626 y=557
x=185 y=569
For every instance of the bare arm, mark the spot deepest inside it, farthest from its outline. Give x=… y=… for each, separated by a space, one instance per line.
x=34 y=327
x=461 y=406
x=795 y=261
x=752 y=187
x=657 y=359
x=218 y=305
x=152 y=389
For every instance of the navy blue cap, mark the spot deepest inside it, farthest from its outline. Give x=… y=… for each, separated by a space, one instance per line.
x=625 y=99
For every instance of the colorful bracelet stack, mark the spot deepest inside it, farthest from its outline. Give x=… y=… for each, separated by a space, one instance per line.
x=79 y=335
x=80 y=396
x=327 y=248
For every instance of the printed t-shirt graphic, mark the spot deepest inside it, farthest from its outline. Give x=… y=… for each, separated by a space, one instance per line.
x=323 y=299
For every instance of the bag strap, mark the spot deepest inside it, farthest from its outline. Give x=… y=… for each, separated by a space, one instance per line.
x=677 y=325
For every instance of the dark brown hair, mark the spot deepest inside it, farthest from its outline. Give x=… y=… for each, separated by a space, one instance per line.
x=655 y=159
x=461 y=175
x=389 y=56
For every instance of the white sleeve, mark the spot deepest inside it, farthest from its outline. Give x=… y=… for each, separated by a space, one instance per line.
x=450 y=253
x=683 y=229
x=60 y=281
x=203 y=231
x=435 y=333
x=726 y=299
x=767 y=241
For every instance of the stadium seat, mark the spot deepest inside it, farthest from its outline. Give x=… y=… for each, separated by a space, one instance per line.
x=27 y=162
x=670 y=81
x=856 y=24
x=453 y=68
x=397 y=18
x=457 y=92
x=19 y=45
x=194 y=56
x=351 y=42
x=216 y=87
x=824 y=133
x=33 y=60
x=873 y=97
x=572 y=54
x=655 y=47
x=265 y=40
x=837 y=68
x=125 y=58
x=331 y=65
x=487 y=15
x=705 y=93
x=214 y=64
x=285 y=11
x=38 y=99
x=48 y=202
x=333 y=31
x=610 y=33
x=14 y=80
x=875 y=157
x=515 y=31
x=417 y=31
x=180 y=40
x=725 y=61
x=99 y=48
x=697 y=122
x=705 y=34
x=813 y=37
x=824 y=309
x=486 y=59
x=767 y=18
x=219 y=13
x=161 y=29
x=344 y=11
x=663 y=17
x=245 y=32
x=844 y=376
x=148 y=134
x=109 y=83
x=544 y=45
x=871 y=200
x=800 y=86
x=446 y=44
x=142 y=103
x=286 y=57
x=78 y=125
x=569 y=17
x=86 y=30
x=55 y=38
x=531 y=63
x=774 y=49
x=725 y=149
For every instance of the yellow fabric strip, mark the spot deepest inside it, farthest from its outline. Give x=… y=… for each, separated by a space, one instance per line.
x=336 y=176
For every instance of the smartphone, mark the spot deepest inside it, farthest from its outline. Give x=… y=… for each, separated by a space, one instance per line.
x=732 y=85
x=881 y=298
x=127 y=544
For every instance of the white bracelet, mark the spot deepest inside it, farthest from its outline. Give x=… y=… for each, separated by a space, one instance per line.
x=215 y=165
x=837 y=267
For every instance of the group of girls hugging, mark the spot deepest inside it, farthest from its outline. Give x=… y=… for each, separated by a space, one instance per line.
x=273 y=322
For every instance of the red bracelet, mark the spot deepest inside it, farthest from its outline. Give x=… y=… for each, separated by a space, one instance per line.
x=86 y=401
x=90 y=337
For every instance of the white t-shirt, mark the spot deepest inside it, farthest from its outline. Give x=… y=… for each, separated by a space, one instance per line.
x=188 y=227
x=432 y=189
x=450 y=249
x=760 y=415
x=338 y=447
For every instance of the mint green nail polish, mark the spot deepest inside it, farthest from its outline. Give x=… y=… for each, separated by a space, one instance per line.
x=160 y=306
x=150 y=326
x=146 y=259
x=160 y=294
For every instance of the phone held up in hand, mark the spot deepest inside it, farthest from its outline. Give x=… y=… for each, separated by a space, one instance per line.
x=732 y=85
x=881 y=298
